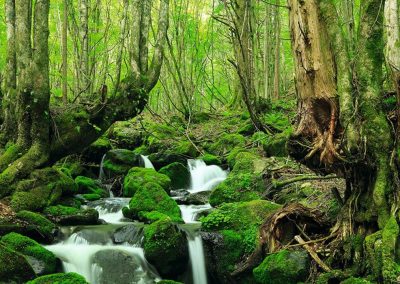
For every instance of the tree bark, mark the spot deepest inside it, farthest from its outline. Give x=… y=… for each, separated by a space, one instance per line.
x=46 y=135
x=65 y=52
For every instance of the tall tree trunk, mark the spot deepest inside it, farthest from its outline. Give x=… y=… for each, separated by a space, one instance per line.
x=338 y=94
x=84 y=35
x=277 y=52
x=41 y=140
x=65 y=52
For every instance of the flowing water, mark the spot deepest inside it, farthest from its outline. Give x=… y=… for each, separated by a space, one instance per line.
x=203 y=177
x=146 y=162
x=113 y=253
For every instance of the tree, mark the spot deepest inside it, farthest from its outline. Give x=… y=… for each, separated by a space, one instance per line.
x=46 y=134
x=341 y=125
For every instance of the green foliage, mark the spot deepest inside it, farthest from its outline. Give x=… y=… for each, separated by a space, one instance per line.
x=90 y=186
x=31 y=248
x=60 y=278
x=138 y=177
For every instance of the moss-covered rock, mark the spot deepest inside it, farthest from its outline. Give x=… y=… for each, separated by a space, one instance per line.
x=44 y=187
x=169 y=282
x=178 y=173
x=96 y=150
x=138 y=177
x=244 y=182
x=354 y=280
x=276 y=145
x=234 y=233
x=226 y=144
x=87 y=185
x=14 y=267
x=211 y=159
x=152 y=197
x=126 y=134
x=177 y=152
x=70 y=216
x=39 y=227
x=165 y=246
x=42 y=260
x=71 y=167
x=283 y=267
x=118 y=162
x=60 y=278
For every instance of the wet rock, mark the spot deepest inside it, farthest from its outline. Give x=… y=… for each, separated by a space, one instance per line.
x=118 y=162
x=69 y=216
x=70 y=278
x=41 y=260
x=138 y=177
x=119 y=267
x=178 y=173
x=131 y=234
x=166 y=247
x=14 y=267
x=198 y=198
x=90 y=236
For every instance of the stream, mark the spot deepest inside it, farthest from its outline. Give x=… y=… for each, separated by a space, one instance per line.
x=109 y=253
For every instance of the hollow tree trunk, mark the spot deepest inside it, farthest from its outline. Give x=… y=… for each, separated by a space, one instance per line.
x=341 y=122
x=46 y=134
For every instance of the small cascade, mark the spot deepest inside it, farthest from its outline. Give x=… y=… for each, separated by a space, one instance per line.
x=146 y=162
x=203 y=177
x=101 y=171
x=110 y=209
x=195 y=242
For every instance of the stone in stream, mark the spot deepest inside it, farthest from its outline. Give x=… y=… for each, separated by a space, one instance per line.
x=90 y=236
x=119 y=267
x=131 y=234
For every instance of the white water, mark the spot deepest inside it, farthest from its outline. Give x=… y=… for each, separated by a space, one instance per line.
x=195 y=243
x=101 y=171
x=147 y=163
x=203 y=177
x=113 y=215
x=77 y=255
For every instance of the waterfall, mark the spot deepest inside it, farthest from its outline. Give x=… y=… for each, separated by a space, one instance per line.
x=203 y=177
x=110 y=209
x=101 y=171
x=195 y=243
x=147 y=163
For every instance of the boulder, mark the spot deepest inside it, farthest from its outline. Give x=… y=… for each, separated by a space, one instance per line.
x=131 y=234
x=118 y=162
x=41 y=260
x=14 y=267
x=90 y=189
x=152 y=198
x=138 y=177
x=69 y=216
x=166 y=247
x=178 y=152
x=226 y=143
x=44 y=187
x=67 y=278
x=178 y=173
x=283 y=267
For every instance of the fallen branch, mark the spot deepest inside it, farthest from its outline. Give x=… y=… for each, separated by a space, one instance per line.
x=312 y=253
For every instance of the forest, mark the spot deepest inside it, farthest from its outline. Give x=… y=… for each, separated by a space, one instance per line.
x=199 y=141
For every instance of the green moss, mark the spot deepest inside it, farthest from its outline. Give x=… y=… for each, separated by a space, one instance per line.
x=60 y=278
x=90 y=186
x=44 y=226
x=226 y=143
x=43 y=188
x=231 y=158
x=60 y=210
x=71 y=169
x=91 y=196
x=211 y=159
x=165 y=246
x=118 y=162
x=244 y=182
x=14 y=266
x=334 y=276
x=178 y=174
x=276 y=145
x=152 y=197
x=31 y=248
x=283 y=267
x=353 y=280
x=169 y=282
x=239 y=225
x=390 y=269
x=138 y=177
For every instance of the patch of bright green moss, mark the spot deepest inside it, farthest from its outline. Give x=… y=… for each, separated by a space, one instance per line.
x=138 y=177
x=60 y=278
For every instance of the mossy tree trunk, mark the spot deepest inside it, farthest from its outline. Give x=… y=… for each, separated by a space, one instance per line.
x=46 y=134
x=341 y=125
